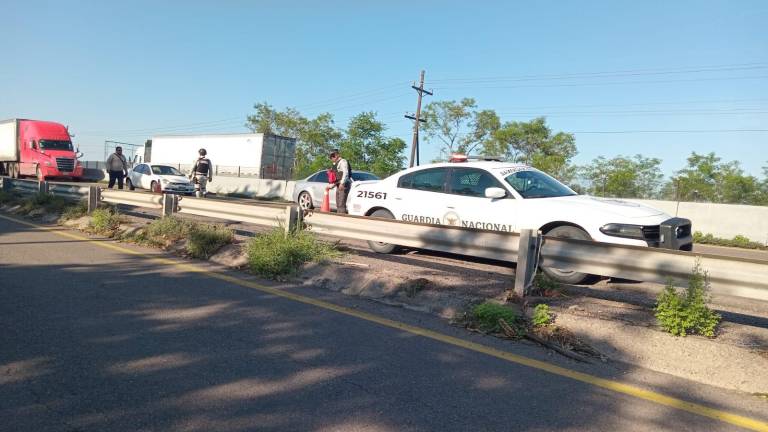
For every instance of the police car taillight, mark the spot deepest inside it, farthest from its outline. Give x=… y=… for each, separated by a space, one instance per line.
x=458 y=157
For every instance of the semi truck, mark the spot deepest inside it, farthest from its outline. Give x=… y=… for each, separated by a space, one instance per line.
x=256 y=155
x=38 y=148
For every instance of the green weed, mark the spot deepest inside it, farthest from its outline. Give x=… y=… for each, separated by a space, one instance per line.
x=738 y=241
x=74 y=211
x=205 y=240
x=105 y=221
x=274 y=254
x=682 y=313
x=541 y=315
x=486 y=317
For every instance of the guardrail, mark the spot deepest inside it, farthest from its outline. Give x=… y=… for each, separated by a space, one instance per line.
x=727 y=275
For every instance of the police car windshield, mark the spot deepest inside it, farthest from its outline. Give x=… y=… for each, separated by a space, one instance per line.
x=535 y=184
x=165 y=170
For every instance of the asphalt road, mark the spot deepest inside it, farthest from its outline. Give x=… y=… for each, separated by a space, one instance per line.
x=102 y=337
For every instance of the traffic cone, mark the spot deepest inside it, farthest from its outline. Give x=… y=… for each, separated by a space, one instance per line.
x=326 y=207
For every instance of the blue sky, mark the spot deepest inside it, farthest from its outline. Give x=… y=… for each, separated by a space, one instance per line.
x=131 y=70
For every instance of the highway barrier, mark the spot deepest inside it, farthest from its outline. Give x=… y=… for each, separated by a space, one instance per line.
x=728 y=275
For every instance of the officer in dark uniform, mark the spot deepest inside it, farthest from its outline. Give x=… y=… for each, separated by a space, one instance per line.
x=202 y=173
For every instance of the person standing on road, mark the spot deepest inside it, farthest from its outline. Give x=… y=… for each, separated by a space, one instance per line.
x=343 y=182
x=202 y=173
x=117 y=167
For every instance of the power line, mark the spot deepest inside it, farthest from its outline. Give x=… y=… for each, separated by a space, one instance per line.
x=671 y=131
x=600 y=83
x=634 y=72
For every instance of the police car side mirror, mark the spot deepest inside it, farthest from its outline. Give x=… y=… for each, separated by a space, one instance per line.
x=495 y=192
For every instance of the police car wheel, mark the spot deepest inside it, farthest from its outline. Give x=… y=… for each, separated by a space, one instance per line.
x=564 y=275
x=380 y=247
x=305 y=201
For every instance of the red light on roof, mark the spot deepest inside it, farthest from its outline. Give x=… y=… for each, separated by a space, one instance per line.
x=458 y=157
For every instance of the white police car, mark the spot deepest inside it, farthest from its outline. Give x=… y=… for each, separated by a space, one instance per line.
x=503 y=196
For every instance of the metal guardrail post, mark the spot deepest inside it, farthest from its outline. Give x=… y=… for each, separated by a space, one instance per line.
x=42 y=187
x=527 y=260
x=170 y=202
x=292 y=219
x=94 y=197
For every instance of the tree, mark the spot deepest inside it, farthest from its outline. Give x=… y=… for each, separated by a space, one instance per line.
x=533 y=143
x=623 y=177
x=314 y=137
x=446 y=122
x=367 y=149
x=705 y=178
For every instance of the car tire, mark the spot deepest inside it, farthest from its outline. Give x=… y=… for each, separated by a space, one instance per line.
x=380 y=247
x=130 y=185
x=152 y=187
x=564 y=275
x=305 y=201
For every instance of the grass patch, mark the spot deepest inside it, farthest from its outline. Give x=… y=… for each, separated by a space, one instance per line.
x=47 y=202
x=205 y=240
x=542 y=316
x=544 y=285
x=8 y=197
x=105 y=221
x=486 y=316
x=686 y=312
x=274 y=254
x=738 y=241
x=74 y=211
x=164 y=231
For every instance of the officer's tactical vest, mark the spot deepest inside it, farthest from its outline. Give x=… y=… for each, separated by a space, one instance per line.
x=203 y=166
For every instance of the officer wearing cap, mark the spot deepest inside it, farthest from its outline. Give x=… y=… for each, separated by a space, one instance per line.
x=202 y=173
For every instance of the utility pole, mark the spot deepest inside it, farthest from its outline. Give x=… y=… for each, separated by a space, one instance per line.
x=417 y=119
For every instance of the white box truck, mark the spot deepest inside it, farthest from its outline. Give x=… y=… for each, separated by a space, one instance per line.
x=244 y=155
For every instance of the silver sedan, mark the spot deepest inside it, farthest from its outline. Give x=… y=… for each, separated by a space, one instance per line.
x=308 y=193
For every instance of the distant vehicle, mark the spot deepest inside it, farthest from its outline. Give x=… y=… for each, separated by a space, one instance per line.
x=509 y=197
x=168 y=178
x=38 y=148
x=249 y=155
x=308 y=193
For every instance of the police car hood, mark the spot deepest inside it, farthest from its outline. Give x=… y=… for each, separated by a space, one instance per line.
x=606 y=206
x=174 y=178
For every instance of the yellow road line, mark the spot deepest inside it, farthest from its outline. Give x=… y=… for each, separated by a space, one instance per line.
x=616 y=386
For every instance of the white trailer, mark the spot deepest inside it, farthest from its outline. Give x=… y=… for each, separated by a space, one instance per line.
x=244 y=155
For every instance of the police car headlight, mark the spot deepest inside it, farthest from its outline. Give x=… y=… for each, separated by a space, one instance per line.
x=623 y=230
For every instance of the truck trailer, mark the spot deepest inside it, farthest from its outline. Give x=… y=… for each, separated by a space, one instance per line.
x=256 y=155
x=38 y=148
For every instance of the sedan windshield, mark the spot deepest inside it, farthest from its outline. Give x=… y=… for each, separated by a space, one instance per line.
x=535 y=184
x=363 y=176
x=55 y=145
x=165 y=170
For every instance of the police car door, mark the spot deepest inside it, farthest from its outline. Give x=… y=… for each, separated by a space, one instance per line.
x=466 y=187
x=420 y=196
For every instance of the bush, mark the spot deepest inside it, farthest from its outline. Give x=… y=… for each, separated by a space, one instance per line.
x=541 y=315
x=105 y=221
x=74 y=211
x=166 y=230
x=682 y=313
x=275 y=254
x=7 y=197
x=205 y=240
x=738 y=241
x=488 y=314
x=48 y=202
x=546 y=286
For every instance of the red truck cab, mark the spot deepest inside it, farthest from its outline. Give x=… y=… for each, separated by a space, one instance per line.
x=44 y=150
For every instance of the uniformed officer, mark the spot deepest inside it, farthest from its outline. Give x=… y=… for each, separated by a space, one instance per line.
x=202 y=173
x=343 y=182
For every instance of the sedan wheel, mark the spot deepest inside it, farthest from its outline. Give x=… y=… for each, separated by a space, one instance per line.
x=130 y=185
x=565 y=275
x=381 y=247
x=305 y=201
